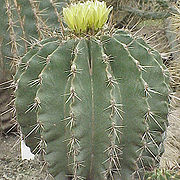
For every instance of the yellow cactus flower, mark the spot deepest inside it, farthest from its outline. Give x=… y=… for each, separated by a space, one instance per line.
x=90 y=15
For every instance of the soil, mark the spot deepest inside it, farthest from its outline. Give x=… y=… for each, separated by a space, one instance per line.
x=11 y=165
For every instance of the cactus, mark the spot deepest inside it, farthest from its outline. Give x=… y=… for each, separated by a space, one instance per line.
x=97 y=101
x=6 y=121
x=127 y=105
x=24 y=23
x=30 y=79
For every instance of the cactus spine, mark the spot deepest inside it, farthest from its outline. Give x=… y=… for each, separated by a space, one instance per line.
x=97 y=104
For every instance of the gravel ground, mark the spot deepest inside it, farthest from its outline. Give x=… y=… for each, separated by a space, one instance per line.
x=11 y=165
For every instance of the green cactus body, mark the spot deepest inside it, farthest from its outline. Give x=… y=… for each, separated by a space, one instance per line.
x=156 y=93
x=24 y=24
x=134 y=107
x=51 y=11
x=29 y=76
x=3 y=36
x=103 y=105
x=38 y=18
x=23 y=64
x=20 y=26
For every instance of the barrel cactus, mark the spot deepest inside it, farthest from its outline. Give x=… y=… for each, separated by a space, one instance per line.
x=96 y=101
x=26 y=22
x=23 y=24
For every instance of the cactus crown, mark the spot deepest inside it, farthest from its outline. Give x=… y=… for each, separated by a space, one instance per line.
x=87 y=16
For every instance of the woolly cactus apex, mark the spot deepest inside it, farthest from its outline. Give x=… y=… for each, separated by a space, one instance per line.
x=82 y=17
